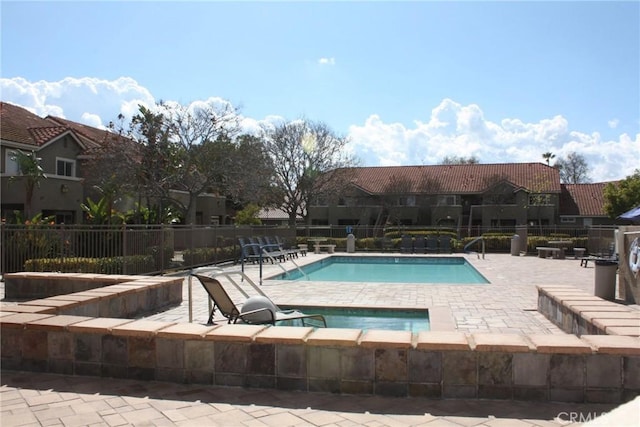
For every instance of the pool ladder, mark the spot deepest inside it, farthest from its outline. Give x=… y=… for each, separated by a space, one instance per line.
x=465 y=249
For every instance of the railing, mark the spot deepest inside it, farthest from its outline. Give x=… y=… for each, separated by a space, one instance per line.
x=125 y=249
x=153 y=249
x=468 y=245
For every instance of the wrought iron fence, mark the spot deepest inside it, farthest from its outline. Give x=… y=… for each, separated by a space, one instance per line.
x=156 y=249
x=121 y=249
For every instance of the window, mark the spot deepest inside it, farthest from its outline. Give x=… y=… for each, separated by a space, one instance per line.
x=321 y=201
x=11 y=166
x=539 y=199
x=568 y=219
x=65 y=167
x=407 y=201
x=447 y=200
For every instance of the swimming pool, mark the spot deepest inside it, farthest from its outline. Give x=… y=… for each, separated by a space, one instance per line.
x=388 y=269
x=414 y=320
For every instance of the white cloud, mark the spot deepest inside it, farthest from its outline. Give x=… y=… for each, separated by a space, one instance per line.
x=613 y=123
x=100 y=101
x=451 y=129
x=327 y=61
x=457 y=130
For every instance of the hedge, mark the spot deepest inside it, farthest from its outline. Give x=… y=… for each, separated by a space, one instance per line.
x=136 y=264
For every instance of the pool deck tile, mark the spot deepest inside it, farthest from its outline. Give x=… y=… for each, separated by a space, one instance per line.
x=141 y=328
x=185 y=331
x=283 y=335
x=565 y=344
x=376 y=338
x=61 y=322
x=434 y=340
x=512 y=343
x=335 y=337
x=613 y=344
x=98 y=325
x=233 y=332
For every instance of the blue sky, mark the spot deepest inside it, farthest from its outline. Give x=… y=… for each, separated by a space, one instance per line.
x=409 y=82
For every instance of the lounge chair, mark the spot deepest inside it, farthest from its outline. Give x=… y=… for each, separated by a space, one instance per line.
x=419 y=245
x=267 y=313
x=248 y=251
x=269 y=251
x=445 y=244
x=282 y=245
x=406 y=244
x=432 y=244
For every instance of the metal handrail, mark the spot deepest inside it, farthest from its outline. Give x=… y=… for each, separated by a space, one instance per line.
x=481 y=238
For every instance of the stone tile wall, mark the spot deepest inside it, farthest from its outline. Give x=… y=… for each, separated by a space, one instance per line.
x=593 y=368
x=70 y=335
x=580 y=313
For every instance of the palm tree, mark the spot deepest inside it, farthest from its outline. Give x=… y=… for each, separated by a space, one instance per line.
x=548 y=156
x=29 y=167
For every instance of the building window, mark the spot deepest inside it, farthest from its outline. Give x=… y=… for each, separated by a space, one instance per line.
x=407 y=201
x=65 y=167
x=321 y=201
x=447 y=200
x=539 y=199
x=10 y=165
x=568 y=219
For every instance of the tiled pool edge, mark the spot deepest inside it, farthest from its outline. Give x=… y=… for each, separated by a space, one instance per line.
x=429 y=364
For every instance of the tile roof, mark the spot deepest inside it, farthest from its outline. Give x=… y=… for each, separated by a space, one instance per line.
x=17 y=124
x=94 y=135
x=456 y=179
x=20 y=125
x=582 y=199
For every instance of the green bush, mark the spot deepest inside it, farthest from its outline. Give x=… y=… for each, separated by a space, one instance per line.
x=161 y=262
x=199 y=256
x=137 y=264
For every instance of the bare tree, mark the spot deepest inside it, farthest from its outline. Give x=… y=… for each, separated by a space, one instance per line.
x=574 y=169
x=499 y=193
x=455 y=160
x=396 y=188
x=309 y=161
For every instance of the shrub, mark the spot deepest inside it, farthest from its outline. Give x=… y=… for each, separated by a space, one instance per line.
x=137 y=264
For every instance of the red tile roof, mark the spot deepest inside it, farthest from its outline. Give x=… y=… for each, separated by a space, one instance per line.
x=456 y=179
x=95 y=135
x=20 y=125
x=582 y=199
x=17 y=124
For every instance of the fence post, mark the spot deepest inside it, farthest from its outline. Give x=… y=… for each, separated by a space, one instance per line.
x=161 y=249
x=124 y=249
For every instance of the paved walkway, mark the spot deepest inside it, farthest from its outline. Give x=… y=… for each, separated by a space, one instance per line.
x=507 y=304
x=56 y=400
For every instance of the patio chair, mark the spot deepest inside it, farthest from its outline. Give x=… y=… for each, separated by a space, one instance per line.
x=282 y=245
x=269 y=251
x=406 y=244
x=249 y=251
x=445 y=244
x=432 y=244
x=419 y=245
x=265 y=313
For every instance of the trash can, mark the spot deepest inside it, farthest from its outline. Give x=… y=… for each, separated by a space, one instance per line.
x=351 y=243
x=515 y=245
x=605 y=281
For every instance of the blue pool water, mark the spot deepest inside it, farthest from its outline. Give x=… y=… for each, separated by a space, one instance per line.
x=389 y=269
x=414 y=320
